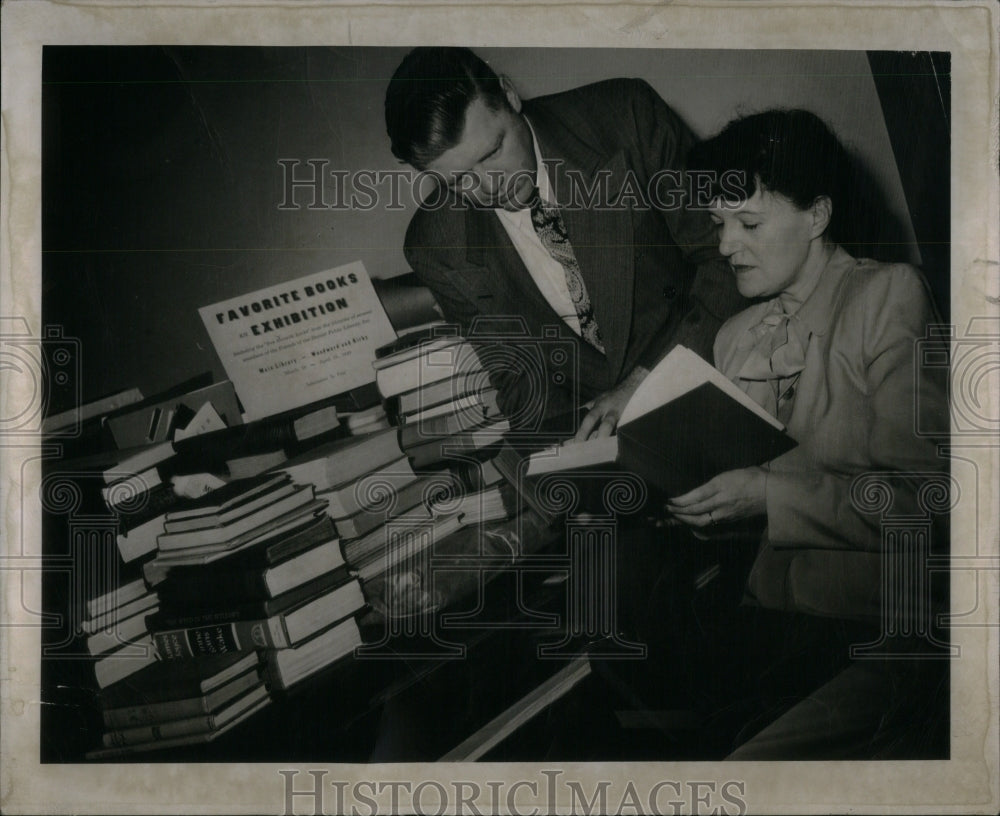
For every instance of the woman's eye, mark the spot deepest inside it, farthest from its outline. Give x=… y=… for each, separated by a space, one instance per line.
x=750 y=227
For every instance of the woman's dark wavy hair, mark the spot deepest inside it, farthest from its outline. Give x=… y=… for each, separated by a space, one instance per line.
x=792 y=153
x=427 y=98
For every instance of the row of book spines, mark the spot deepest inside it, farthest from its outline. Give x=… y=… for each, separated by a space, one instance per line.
x=200 y=723
x=120 y=751
x=132 y=729
x=240 y=635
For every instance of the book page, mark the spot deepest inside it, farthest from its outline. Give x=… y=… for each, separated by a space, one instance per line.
x=679 y=372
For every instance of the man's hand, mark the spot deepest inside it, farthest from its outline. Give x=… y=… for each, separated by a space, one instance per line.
x=602 y=419
x=730 y=496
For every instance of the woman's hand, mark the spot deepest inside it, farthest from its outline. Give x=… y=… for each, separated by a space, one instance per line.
x=730 y=496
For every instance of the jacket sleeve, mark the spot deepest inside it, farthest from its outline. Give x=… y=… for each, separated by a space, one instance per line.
x=664 y=141
x=815 y=507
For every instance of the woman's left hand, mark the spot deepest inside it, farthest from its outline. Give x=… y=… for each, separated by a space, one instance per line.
x=730 y=496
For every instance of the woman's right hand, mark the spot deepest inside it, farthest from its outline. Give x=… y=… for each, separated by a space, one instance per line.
x=729 y=497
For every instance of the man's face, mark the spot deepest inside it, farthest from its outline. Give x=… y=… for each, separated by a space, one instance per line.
x=493 y=163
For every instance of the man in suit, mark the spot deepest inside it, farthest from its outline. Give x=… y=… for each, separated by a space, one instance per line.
x=562 y=216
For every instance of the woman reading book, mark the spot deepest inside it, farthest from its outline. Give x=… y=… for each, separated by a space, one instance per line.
x=829 y=349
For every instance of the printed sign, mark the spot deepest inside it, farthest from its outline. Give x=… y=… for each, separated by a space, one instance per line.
x=299 y=341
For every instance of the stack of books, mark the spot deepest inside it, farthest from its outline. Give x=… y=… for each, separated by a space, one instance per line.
x=114 y=631
x=255 y=565
x=174 y=704
x=435 y=388
x=432 y=372
x=250 y=576
x=378 y=501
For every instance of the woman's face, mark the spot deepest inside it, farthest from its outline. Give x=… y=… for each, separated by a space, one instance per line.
x=767 y=241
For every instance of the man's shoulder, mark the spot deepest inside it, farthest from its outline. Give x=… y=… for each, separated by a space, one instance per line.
x=619 y=91
x=436 y=229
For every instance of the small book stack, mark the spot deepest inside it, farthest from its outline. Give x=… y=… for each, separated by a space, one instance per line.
x=114 y=631
x=251 y=595
x=433 y=372
x=175 y=704
x=378 y=501
x=436 y=389
x=255 y=565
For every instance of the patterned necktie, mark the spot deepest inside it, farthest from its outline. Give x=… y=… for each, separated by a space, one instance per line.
x=551 y=232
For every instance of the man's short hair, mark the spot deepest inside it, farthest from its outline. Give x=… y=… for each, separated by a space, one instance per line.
x=427 y=98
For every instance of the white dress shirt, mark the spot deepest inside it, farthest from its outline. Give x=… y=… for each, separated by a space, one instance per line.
x=547 y=273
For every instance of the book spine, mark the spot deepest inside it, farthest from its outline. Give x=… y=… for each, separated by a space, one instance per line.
x=124 y=662
x=118 y=635
x=134 y=716
x=237 y=636
x=167 y=730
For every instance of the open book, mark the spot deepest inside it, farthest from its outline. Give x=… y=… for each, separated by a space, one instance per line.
x=685 y=423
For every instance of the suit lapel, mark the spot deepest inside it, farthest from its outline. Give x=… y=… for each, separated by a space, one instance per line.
x=602 y=242
x=601 y=238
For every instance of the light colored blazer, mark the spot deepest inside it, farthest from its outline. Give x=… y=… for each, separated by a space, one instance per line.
x=853 y=413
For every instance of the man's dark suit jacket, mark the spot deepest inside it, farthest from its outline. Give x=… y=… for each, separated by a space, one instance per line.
x=638 y=261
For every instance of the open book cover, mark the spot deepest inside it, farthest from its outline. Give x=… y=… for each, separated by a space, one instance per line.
x=684 y=424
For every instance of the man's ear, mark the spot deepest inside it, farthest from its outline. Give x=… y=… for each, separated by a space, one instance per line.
x=509 y=91
x=822 y=212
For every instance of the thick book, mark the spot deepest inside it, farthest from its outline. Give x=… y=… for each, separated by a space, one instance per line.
x=482 y=404
x=438 y=485
x=489 y=504
x=404 y=538
x=228 y=503
x=129 y=659
x=119 y=596
x=220 y=610
x=165 y=683
x=222 y=583
x=243 y=467
x=462 y=445
x=449 y=361
x=684 y=424
x=273 y=531
x=178 y=742
x=338 y=463
x=278 y=631
x=417 y=335
x=197 y=724
x=130 y=461
x=91 y=410
x=439 y=393
x=141 y=712
x=426 y=430
x=109 y=618
x=239 y=526
x=421 y=348
x=131 y=491
x=367 y=491
x=286 y=667
x=306 y=533
x=119 y=633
